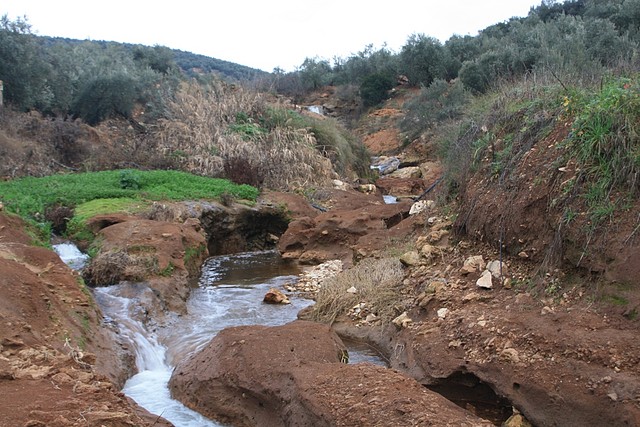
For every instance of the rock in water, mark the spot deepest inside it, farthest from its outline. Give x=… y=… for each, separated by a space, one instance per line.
x=275 y=296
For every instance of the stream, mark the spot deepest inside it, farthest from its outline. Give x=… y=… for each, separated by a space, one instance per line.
x=229 y=294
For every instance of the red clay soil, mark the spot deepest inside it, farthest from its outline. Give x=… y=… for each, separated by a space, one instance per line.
x=291 y=375
x=49 y=337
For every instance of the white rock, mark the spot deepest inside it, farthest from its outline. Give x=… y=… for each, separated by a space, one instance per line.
x=407 y=173
x=485 y=280
x=403 y=320
x=371 y=317
x=421 y=206
x=497 y=269
x=352 y=290
x=442 y=313
x=418 y=207
x=411 y=258
x=367 y=188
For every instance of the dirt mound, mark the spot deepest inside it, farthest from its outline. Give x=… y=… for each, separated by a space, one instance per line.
x=552 y=353
x=526 y=208
x=292 y=375
x=166 y=256
x=345 y=233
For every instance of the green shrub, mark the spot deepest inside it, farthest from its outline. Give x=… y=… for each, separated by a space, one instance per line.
x=129 y=180
x=105 y=97
x=605 y=140
x=375 y=89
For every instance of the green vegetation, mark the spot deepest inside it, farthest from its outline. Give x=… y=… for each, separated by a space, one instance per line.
x=193 y=252
x=102 y=192
x=229 y=131
x=375 y=89
x=605 y=141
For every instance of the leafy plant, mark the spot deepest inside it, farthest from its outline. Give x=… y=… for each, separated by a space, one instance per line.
x=375 y=89
x=129 y=180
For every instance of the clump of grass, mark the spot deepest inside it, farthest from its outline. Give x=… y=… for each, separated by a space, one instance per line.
x=220 y=127
x=605 y=139
x=377 y=282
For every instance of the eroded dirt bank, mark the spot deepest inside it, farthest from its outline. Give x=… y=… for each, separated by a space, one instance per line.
x=58 y=366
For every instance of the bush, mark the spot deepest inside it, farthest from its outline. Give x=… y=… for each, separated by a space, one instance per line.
x=375 y=89
x=474 y=77
x=129 y=180
x=105 y=97
x=605 y=140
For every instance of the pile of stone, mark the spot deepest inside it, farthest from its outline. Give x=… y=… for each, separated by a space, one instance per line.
x=493 y=270
x=311 y=280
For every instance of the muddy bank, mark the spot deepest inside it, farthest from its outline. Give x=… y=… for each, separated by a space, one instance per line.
x=560 y=366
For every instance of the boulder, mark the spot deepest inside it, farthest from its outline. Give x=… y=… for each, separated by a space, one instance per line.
x=485 y=281
x=292 y=375
x=337 y=233
x=421 y=206
x=402 y=187
x=411 y=172
x=498 y=269
x=411 y=258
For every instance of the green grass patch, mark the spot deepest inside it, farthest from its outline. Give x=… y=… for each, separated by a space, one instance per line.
x=193 y=252
x=615 y=299
x=110 y=191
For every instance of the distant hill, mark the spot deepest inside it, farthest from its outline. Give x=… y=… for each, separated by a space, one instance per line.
x=190 y=63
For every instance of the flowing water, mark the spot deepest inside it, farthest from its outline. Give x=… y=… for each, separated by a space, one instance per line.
x=229 y=294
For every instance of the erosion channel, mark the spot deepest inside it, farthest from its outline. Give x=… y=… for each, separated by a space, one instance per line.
x=229 y=294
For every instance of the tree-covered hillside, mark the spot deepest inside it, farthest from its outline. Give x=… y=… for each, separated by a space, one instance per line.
x=581 y=39
x=95 y=79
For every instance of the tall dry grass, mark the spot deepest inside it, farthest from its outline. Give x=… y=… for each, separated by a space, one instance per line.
x=377 y=283
x=198 y=132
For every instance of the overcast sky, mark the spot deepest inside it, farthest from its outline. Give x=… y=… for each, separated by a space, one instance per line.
x=263 y=34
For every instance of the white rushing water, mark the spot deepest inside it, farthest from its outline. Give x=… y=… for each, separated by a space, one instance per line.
x=71 y=255
x=389 y=199
x=230 y=294
x=149 y=387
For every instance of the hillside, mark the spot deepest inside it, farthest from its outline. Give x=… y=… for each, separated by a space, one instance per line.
x=189 y=63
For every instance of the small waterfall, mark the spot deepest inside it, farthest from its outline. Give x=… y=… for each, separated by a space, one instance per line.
x=149 y=387
x=71 y=255
x=389 y=199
